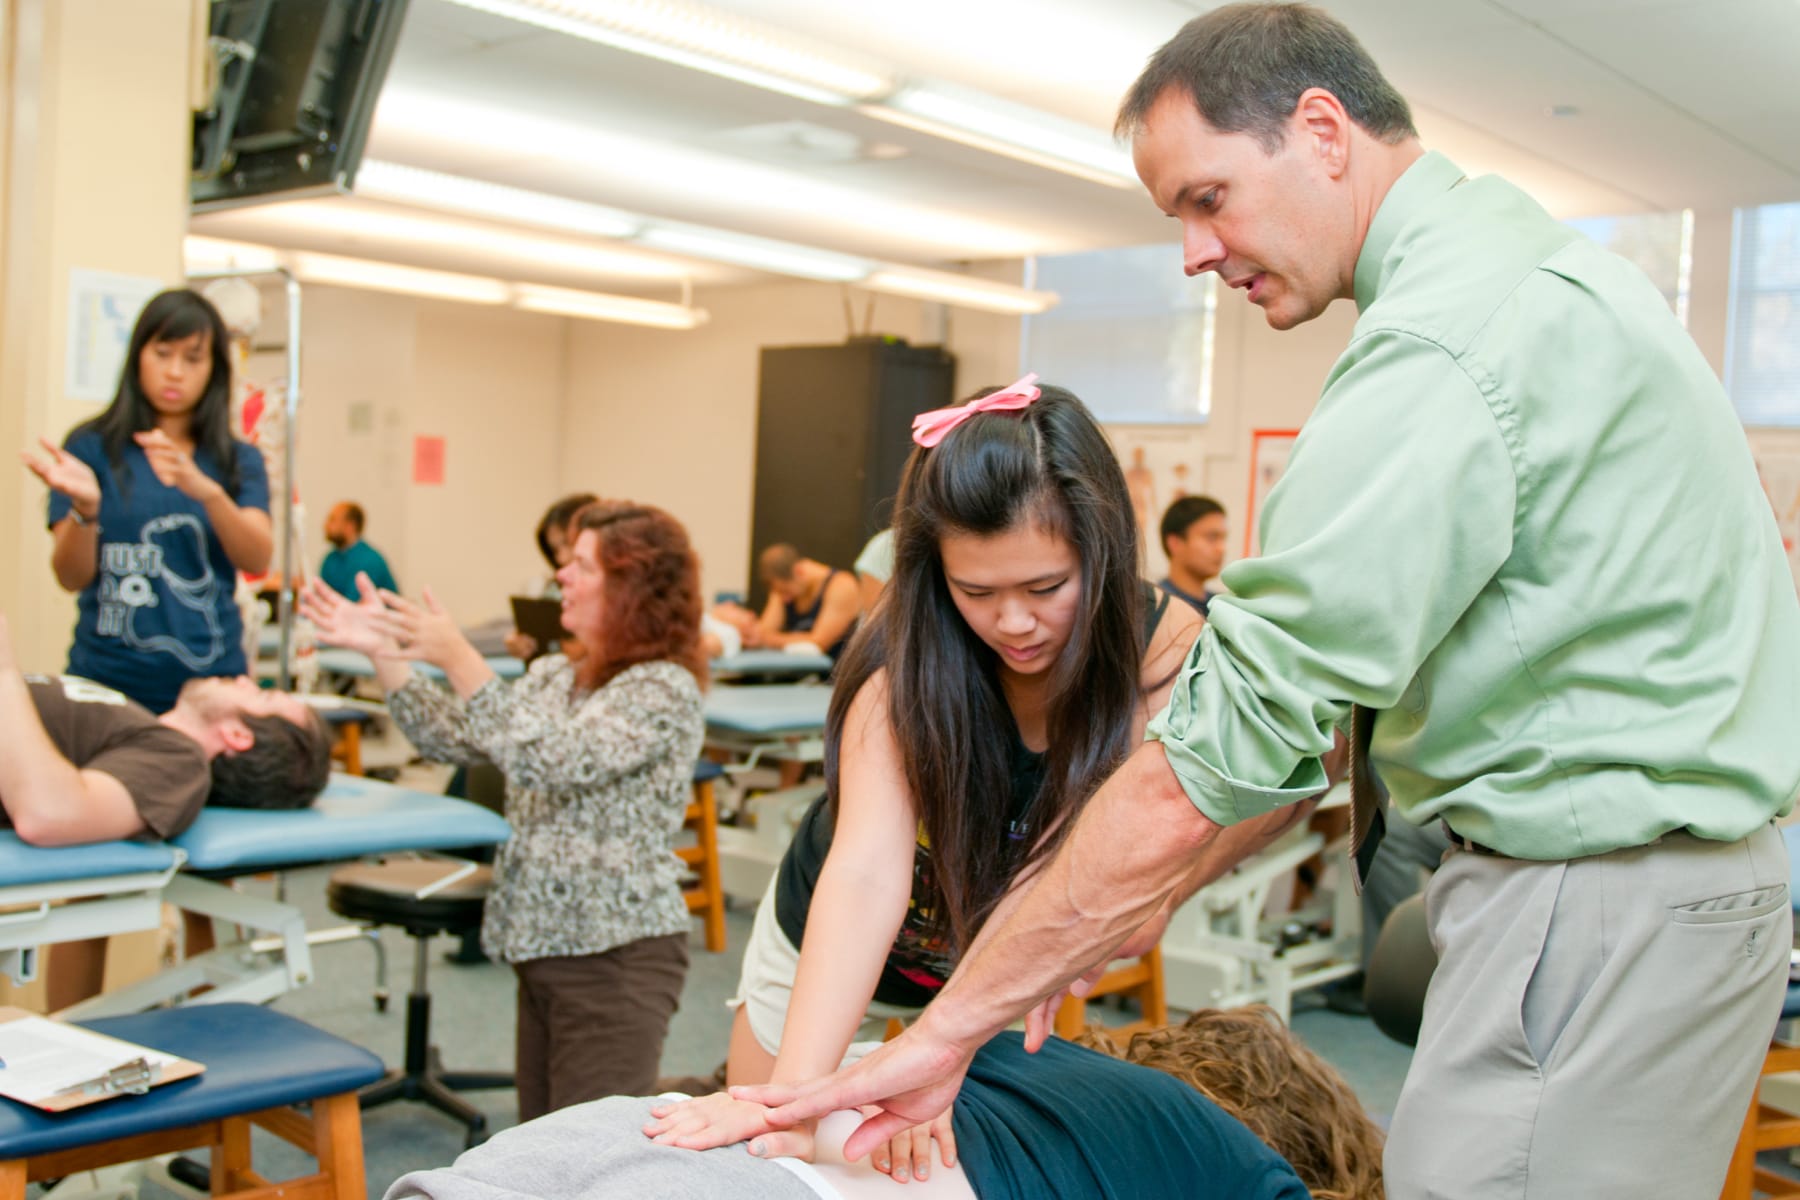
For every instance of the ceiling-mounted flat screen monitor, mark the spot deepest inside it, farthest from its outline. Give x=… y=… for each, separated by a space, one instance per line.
x=296 y=88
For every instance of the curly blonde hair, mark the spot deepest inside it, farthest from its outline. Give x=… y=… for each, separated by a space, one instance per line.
x=1249 y=1064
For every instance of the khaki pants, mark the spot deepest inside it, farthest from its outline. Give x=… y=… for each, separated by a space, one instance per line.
x=593 y=1025
x=1594 y=1027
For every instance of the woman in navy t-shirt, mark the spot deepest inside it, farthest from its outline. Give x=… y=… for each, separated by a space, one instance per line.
x=155 y=507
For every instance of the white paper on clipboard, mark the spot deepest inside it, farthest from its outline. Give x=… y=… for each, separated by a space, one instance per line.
x=54 y=1065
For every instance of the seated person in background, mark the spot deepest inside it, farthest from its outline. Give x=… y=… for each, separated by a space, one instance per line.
x=874 y=566
x=808 y=602
x=554 y=543
x=84 y=764
x=1067 y=1122
x=349 y=554
x=1193 y=537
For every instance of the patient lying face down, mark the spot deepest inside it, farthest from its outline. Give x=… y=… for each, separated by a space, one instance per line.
x=1066 y=1122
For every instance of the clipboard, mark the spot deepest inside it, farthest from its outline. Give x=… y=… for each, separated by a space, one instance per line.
x=56 y=1066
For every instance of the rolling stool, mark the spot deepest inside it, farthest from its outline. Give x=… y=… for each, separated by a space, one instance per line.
x=423 y=897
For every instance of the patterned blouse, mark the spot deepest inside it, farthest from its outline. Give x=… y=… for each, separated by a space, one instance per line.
x=596 y=790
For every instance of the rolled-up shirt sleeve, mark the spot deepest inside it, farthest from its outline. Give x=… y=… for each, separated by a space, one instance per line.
x=1395 y=511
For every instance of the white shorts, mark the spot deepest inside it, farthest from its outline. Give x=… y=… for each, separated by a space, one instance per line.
x=766 y=981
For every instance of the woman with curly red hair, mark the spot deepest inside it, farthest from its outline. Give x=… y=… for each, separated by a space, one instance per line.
x=598 y=755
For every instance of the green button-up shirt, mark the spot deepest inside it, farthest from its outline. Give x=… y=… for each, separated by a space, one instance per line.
x=1523 y=523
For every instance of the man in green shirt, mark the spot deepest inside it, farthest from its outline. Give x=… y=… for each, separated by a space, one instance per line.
x=1523 y=527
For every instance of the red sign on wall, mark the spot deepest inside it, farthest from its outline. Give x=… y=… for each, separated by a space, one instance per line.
x=428 y=460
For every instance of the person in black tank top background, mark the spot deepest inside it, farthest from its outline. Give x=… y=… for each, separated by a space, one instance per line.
x=808 y=602
x=1014 y=657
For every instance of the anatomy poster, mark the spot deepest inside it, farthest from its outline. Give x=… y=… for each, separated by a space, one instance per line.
x=1269 y=451
x=1161 y=465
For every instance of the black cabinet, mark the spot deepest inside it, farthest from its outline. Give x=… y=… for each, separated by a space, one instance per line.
x=833 y=429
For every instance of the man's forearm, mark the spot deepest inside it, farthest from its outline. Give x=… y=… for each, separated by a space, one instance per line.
x=1135 y=842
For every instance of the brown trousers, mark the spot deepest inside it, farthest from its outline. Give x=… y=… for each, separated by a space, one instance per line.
x=593 y=1025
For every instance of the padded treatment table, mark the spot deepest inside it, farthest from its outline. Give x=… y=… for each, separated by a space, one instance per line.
x=120 y=883
x=757 y=717
x=353 y=664
x=769 y=664
x=354 y=817
x=258 y=1064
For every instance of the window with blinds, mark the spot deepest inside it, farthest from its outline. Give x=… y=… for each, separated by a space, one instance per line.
x=1132 y=335
x=1659 y=244
x=1762 y=346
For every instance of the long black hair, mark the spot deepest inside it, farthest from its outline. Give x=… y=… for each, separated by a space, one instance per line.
x=171 y=316
x=1048 y=465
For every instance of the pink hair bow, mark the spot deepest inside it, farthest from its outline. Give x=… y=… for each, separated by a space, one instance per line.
x=929 y=428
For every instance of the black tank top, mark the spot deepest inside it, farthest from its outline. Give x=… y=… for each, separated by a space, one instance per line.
x=795 y=621
x=919 y=962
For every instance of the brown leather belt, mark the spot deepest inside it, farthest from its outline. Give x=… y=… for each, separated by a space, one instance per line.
x=1463 y=843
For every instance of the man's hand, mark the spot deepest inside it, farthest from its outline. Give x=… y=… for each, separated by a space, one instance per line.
x=65 y=473
x=910 y=1080
x=174 y=467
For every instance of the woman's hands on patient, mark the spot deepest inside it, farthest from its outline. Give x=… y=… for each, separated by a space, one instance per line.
x=907 y=1155
x=717 y=1120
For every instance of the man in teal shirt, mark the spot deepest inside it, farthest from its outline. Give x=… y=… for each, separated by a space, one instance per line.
x=349 y=554
x=1522 y=525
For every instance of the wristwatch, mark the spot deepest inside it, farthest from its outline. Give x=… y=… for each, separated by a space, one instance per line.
x=75 y=515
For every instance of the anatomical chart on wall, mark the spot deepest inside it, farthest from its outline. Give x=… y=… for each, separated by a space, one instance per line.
x=1161 y=466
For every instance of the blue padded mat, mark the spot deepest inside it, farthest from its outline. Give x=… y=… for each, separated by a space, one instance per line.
x=23 y=864
x=255 y=1059
x=770 y=709
x=353 y=817
x=771 y=662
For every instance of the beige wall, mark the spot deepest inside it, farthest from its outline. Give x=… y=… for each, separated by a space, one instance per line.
x=670 y=418
x=95 y=177
x=378 y=370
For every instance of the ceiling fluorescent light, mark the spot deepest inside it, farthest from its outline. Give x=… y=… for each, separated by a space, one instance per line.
x=989 y=123
x=763 y=254
x=964 y=291
x=477 y=197
x=704 y=39
x=598 y=306
x=386 y=277
x=218 y=254
x=430 y=234
x=437 y=122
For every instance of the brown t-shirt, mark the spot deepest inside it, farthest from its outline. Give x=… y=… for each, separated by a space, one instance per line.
x=98 y=729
